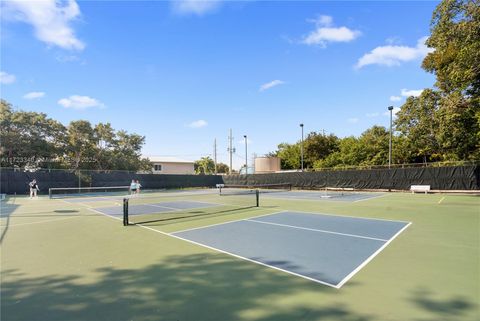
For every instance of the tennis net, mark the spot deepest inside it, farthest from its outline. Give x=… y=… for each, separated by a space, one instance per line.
x=65 y=192
x=334 y=192
x=262 y=188
x=161 y=208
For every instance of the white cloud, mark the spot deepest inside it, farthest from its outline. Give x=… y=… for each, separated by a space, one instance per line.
x=394 y=55
x=50 y=19
x=196 y=7
x=353 y=120
x=393 y=40
x=395 y=98
x=324 y=20
x=6 y=78
x=198 y=124
x=411 y=92
x=67 y=58
x=325 y=33
x=80 y=102
x=372 y=115
x=271 y=84
x=34 y=95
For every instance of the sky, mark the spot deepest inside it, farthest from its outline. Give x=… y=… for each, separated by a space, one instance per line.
x=182 y=73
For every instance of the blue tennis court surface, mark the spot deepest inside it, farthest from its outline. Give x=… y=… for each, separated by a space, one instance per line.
x=327 y=249
x=322 y=196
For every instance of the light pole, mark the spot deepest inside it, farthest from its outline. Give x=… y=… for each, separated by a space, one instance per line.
x=301 y=146
x=390 y=108
x=246 y=155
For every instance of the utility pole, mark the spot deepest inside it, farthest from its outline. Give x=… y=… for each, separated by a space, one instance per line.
x=230 y=150
x=246 y=155
x=215 y=154
x=301 y=148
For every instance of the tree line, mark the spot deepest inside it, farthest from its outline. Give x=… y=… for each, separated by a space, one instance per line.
x=442 y=124
x=206 y=165
x=32 y=140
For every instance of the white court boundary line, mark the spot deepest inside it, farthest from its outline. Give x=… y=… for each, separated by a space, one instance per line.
x=321 y=231
x=349 y=276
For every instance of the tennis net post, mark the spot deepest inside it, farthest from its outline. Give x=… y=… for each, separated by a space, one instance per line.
x=125 y=211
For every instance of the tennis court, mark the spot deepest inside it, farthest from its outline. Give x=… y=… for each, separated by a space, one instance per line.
x=284 y=191
x=70 y=258
x=346 y=196
x=327 y=249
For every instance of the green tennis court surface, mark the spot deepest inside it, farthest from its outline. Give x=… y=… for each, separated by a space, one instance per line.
x=66 y=260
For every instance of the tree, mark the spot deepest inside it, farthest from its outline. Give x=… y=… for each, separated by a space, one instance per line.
x=371 y=148
x=417 y=121
x=458 y=131
x=402 y=150
x=29 y=138
x=290 y=155
x=204 y=165
x=374 y=143
x=455 y=36
x=127 y=152
x=350 y=153
x=105 y=138
x=81 y=148
x=318 y=146
x=222 y=168
x=34 y=140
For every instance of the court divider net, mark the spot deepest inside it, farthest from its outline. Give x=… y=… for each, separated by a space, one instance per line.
x=160 y=208
x=66 y=192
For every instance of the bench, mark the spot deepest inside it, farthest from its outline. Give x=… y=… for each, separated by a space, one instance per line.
x=420 y=188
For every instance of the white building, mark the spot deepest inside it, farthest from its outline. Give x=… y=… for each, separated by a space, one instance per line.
x=171 y=165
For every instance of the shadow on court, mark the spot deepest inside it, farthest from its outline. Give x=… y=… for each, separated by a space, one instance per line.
x=65 y=211
x=442 y=309
x=196 y=287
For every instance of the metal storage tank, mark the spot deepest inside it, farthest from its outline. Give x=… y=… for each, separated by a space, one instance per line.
x=267 y=164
